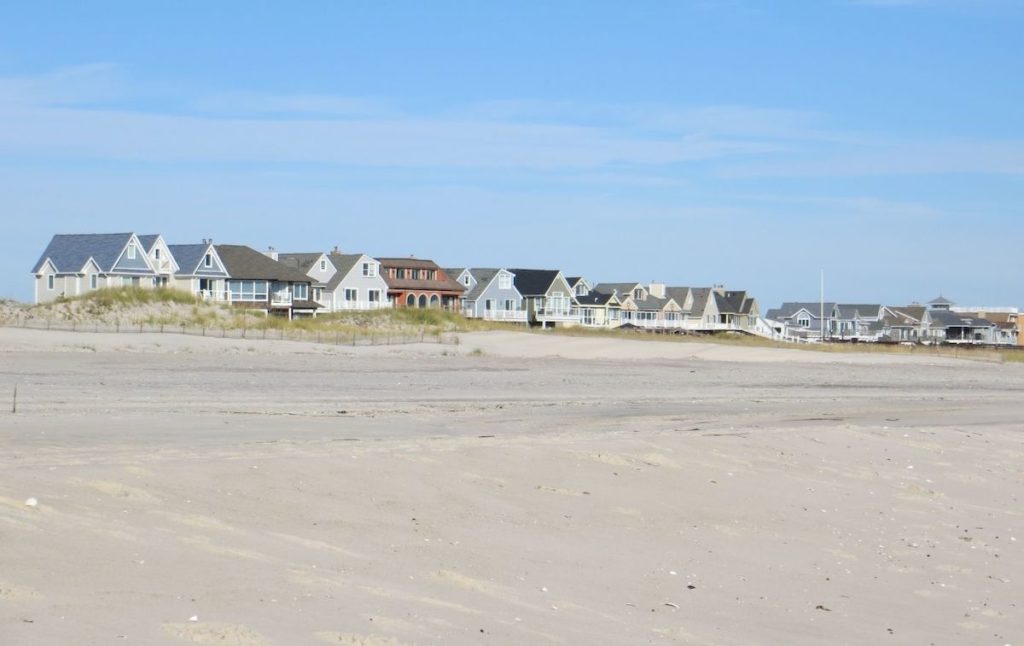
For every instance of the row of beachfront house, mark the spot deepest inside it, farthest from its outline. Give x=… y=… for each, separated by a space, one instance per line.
x=304 y=284
x=938 y=321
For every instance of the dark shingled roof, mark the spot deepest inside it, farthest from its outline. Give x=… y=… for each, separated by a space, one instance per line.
x=597 y=298
x=483 y=277
x=534 y=282
x=301 y=261
x=343 y=263
x=245 y=263
x=622 y=290
x=70 y=252
x=787 y=310
x=848 y=311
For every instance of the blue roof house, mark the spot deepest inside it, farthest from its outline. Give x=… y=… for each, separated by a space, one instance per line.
x=76 y=264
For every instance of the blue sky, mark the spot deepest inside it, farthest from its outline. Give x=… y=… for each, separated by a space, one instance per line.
x=692 y=142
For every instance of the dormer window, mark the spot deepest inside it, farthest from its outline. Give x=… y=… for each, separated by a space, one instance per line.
x=323 y=265
x=465 y=280
x=638 y=294
x=370 y=269
x=131 y=252
x=208 y=260
x=156 y=253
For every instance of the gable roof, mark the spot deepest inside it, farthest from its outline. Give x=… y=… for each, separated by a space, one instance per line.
x=598 y=298
x=653 y=304
x=701 y=296
x=735 y=302
x=483 y=278
x=619 y=289
x=534 y=282
x=848 y=311
x=189 y=256
x=301 y=261
x=246 y=263
x=343 y=263
x=148 y=241
x=789 y=310
x=68 y=253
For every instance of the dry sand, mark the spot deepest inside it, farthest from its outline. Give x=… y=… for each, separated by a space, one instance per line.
x=546 y=491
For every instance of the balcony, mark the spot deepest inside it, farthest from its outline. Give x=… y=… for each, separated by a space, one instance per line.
x=516 y=316
x=353 y=306
x=560 y=314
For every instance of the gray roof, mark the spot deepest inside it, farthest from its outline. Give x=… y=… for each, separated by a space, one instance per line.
x=788 y=310
x=188 y=257
x=941 y=300
x=946 y=319
x=678 y=294
x=733 y=302
x=245 y=263
x=147 y=241
x=621 y=290
x=343 y=262
x=70 y=252
x=483 y=277
x=652 y=304
x=597 y=298
x=848 y=311
x=301 y=261
x=700 y=298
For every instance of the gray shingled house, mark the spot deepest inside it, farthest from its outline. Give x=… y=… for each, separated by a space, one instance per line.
x=76 y=264
x=262 y=283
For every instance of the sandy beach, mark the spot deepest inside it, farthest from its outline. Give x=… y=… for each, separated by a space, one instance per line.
x=513 y=489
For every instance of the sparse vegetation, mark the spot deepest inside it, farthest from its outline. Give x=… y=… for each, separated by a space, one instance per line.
x=170 y=308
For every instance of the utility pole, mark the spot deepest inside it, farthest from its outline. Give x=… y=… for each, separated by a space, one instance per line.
x=821 y=311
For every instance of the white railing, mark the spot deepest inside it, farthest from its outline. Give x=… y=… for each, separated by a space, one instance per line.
x=345 y=306
x=560 y=314
x=518 y=316
x=212 y=295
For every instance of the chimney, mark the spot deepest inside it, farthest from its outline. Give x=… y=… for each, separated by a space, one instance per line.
x=657 y=290
x=271 y=253
x=336 y=250
x=719 y=289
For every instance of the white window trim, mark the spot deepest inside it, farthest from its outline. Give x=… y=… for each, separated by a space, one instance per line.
x=50 y=282
x=131 y=251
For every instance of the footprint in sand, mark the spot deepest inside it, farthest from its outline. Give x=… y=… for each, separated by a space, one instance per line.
x=356 y=640
x=215 y=633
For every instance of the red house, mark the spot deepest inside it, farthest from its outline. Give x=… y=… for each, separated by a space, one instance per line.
x=413 y=282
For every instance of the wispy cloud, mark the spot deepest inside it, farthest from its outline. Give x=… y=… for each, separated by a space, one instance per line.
x=74 y=114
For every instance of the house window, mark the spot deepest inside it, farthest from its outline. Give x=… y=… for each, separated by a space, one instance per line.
x=466 y=280
x=208 y=260
x=131 y=252
x=400 y=273
x=156 y=253
x=415 y=274
x=323 y=265
x=803 y=322
x=373 y=295
x=300 y=291
x=581 y=290
x=504 y=281
x=370 y=269
x=489 y=304
x=638 y=294
x=49 y=282
x=93 y=281
x=351 y=295
x=509 y=305
x=410 y=300
x=248 y=290
x=432 y=274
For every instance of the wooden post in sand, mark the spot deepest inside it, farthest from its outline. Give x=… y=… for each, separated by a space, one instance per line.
x=14 y=403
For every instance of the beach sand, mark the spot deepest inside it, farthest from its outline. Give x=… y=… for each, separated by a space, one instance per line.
x=513 y=489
